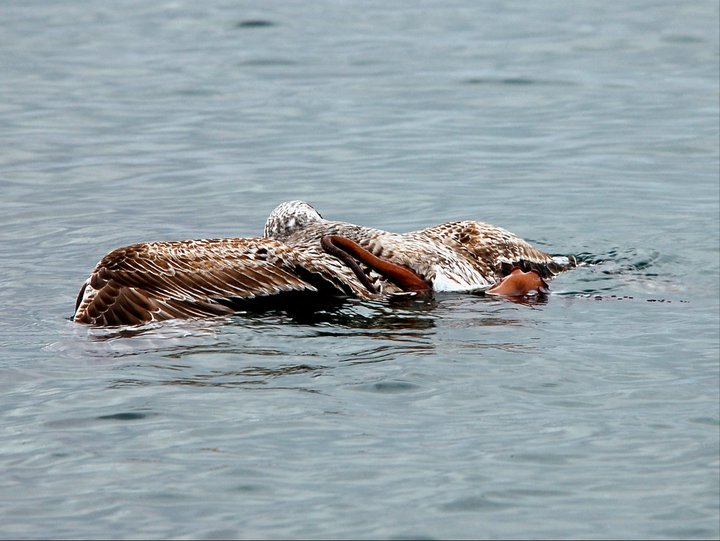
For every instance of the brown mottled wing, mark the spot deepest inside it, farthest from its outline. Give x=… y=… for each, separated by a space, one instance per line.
x=493 y=246
x=165 y=280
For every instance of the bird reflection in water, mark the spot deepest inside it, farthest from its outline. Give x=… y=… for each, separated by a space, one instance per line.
x=265 y=350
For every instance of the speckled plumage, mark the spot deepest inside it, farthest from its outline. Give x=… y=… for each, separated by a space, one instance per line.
x=455 y=256
x=198 y=278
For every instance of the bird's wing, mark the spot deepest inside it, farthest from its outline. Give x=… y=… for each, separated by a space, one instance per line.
x=163 y=280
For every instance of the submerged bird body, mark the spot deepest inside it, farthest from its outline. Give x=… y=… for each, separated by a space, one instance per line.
x=300 y=257
x=460 y=256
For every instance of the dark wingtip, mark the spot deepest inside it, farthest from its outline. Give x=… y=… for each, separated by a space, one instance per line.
x=80 y=297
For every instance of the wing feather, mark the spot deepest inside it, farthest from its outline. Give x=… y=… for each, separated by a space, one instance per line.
x=164 y=280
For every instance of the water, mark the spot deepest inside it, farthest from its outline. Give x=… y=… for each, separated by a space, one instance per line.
x=586 y=128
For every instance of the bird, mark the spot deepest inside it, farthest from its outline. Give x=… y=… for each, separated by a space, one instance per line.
x=302 y=258
x=459 y=256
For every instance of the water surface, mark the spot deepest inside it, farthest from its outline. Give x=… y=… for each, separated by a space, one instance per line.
x=587 y=129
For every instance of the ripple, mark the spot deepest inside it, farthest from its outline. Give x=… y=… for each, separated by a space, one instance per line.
x=269 y=62
x=124 y=416
x=476 y=503
x=389 y=387
x=254 y=23
x=514 y=81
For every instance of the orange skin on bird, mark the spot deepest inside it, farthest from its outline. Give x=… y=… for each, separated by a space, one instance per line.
x=519 y=283
x=403 y=277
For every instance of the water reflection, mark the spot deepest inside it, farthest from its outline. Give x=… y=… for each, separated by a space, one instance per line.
x=352 y=315
x=246 y=377
x=248 y=350
x=288 y=350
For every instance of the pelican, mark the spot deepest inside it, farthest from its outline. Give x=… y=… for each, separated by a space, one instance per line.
x=303 y=257
x=460 y=256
